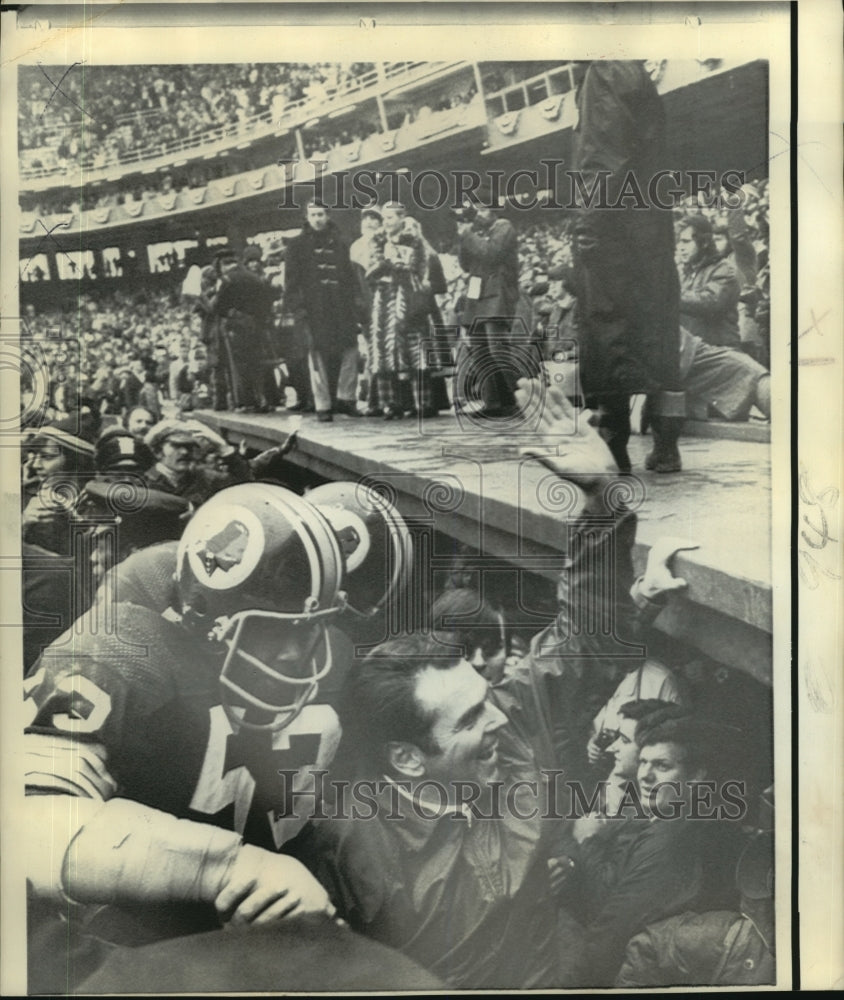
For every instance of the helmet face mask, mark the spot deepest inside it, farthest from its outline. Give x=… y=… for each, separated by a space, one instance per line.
x=259 y=569
x=273 y=666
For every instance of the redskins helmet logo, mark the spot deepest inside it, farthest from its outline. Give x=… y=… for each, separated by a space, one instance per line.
x=225 y=546
x=226 y=549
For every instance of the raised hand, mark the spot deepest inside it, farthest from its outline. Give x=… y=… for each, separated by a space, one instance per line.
x=658 y=578
x=565 y=441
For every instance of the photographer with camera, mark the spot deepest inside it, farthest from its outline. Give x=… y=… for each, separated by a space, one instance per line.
x=488 y=253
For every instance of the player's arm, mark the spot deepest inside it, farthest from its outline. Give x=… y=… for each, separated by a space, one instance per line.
x=81 y=850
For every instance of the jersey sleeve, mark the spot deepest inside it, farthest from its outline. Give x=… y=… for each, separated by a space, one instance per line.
x=100 y=686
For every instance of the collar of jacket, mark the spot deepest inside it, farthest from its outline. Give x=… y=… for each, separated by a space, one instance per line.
x=414 y=821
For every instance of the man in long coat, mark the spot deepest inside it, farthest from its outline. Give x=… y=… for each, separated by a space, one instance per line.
x=323 y=295
x=628 y=294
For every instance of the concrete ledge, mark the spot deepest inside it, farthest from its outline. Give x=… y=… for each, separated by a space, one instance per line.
x=479 y=491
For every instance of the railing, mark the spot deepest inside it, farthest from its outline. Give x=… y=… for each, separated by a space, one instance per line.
x=257 y=126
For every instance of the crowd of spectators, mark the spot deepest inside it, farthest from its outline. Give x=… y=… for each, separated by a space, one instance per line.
x=107 y=113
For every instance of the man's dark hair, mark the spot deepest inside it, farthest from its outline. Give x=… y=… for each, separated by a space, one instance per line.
x=697 y=739
x=461 y=616
x=647 y=712
x=379 y=703
x=701 y=229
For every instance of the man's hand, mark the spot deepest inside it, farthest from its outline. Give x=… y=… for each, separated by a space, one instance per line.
x=594 y=752
x=566 y=442
x=262 y=887
x=658 y=578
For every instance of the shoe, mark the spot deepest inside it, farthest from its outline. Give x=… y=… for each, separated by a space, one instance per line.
x=324 y=416
x=393 y=413
x=347 y=407
x=372 y=411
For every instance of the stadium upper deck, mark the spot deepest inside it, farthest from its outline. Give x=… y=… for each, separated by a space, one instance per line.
x=393 y=116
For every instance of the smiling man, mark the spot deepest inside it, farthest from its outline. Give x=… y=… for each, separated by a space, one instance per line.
x=454 y=792
x=448 y=863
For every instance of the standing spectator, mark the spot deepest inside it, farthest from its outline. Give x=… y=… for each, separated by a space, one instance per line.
x=359 y=253
x=398 y=326
x=488 y=253
x=244 y=305
x=710 y=289
x=178 y=379
x=252 y=262
x=323 y=296
x=627 y=282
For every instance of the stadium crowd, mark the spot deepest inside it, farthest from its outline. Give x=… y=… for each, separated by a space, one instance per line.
x=119 y=112
x=301 y=758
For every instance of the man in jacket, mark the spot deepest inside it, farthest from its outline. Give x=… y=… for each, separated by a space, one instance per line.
x=243 y=303
x=488 y=254
x=710 y=289
x=322 y=293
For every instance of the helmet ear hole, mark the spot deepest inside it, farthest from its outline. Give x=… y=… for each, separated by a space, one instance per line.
x=374 y=540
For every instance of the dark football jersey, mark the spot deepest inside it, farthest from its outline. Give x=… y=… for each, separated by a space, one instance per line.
x=150 y=694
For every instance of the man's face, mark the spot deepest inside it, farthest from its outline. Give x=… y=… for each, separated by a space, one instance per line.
x=370 y=224
x=291 y=652
x=139 y=422
x=393 y=220
x=465 y=724
x=317 y=217
x=176 y=455
x=663 y=762
x=686 y=246
x=47 y=460
x=624 y=750
x=722 y=243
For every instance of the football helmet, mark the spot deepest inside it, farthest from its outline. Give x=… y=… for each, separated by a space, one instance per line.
x=259 y=569
x=374 y=539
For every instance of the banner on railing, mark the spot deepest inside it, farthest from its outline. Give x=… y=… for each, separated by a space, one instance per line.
x=27 y=223
x=133 y=208
x=388 y=141
x=167 y=200
x=227 y=185
x=60 y=220
x=352 y=152
x=256 y=181
x=508 y=122
x=197 y=195
x=550 y=109
x=100 y=215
